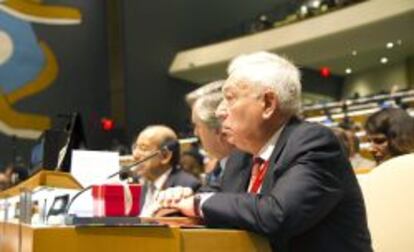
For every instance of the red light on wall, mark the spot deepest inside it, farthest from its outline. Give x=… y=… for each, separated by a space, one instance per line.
x=325 y=72
x=107 y=124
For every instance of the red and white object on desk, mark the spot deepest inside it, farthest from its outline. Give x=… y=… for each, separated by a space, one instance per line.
x=116 y=200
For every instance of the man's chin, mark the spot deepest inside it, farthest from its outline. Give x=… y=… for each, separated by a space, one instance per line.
x=143 y=173
x=229 y=138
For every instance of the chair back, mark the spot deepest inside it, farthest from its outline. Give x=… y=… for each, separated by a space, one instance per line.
x=389 y=198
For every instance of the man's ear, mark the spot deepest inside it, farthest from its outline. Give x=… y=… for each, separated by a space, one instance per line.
x=165 y=157
x=270 y=104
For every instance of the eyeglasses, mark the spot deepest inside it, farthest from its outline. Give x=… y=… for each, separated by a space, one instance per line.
x=135 y=147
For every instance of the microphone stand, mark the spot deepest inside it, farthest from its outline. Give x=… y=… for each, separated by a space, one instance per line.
x=124 y=169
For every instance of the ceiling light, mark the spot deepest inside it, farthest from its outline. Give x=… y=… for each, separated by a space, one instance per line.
x=399 y=42
x=390 y=45
x=384 y=60
x=354 y=53
x=348 y=70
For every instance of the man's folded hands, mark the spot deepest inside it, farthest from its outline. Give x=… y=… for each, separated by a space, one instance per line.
x=180 y=198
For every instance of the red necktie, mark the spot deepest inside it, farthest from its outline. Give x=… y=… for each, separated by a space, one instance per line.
x=258 y=172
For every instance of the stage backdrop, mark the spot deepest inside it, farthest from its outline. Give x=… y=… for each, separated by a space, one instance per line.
x=53 y=60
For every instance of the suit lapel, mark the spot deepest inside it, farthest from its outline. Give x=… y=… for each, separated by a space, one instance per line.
x=170 y=181
x=244 y=177
x=274 y=163
x=237 y=172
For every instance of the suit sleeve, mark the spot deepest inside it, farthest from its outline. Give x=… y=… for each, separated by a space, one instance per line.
x=192 y=182
x=308 y=189
x=182 y=178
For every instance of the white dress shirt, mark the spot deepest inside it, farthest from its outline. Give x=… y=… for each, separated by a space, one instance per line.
x=153 y=189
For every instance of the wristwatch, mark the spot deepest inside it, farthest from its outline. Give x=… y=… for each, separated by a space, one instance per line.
x=196 y=202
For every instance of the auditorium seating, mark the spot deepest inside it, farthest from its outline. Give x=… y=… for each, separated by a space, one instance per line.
x=356 y=111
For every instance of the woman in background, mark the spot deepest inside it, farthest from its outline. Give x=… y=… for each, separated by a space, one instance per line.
x=391 y=133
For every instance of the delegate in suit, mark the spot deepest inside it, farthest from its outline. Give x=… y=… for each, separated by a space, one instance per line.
x=301 y=191
x=161 y=172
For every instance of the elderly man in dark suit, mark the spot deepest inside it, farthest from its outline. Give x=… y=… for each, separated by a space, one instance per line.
x=301 y=191
x=161 y=172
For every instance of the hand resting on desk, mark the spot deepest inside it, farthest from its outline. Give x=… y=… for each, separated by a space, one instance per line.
x=176 y=199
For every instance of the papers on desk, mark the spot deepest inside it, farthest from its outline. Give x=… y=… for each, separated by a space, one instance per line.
x=90 y=168
x=93 y=167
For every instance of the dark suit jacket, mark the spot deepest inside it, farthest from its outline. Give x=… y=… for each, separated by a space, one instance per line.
x=310 y=199
x=230 y=181
x=177 y=177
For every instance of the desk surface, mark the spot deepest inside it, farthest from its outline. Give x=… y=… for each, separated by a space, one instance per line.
x=15 y=237
x=26 y=238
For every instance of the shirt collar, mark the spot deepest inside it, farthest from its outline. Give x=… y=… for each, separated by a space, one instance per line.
x=223 y=162
x=266 y=151
x=159 y=182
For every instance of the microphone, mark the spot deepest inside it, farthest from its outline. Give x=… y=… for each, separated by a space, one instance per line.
x=169 y=145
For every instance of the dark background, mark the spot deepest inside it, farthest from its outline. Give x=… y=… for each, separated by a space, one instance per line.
x=151 y=32
x=155 y=30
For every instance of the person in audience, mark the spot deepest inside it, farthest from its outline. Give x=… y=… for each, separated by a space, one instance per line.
x=391 y=133
x=358 y=162
x=192 y=162
x=350 y=143
x=5 y=178
x=300 y=192
x=162 y=171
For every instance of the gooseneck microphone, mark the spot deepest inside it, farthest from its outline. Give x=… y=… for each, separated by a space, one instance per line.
x=169 y=145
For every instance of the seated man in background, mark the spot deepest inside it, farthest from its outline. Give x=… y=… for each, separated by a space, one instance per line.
x=208 y=128
x=162 y=171
x=391 y=133
x=301 y=192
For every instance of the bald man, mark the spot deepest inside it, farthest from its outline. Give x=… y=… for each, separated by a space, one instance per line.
x=162 y=171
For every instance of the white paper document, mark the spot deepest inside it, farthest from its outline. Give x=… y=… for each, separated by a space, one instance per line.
x=93 y=167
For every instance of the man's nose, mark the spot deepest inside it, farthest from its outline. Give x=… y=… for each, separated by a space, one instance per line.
x=136 y=154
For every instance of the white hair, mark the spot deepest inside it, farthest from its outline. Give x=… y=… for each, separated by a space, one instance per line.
x=269 y=70
x=206 y=89
x=205 y=109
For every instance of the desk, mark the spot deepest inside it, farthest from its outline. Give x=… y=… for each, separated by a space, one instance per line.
x=27 y=238
x=43 y=178
x=15 y=238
